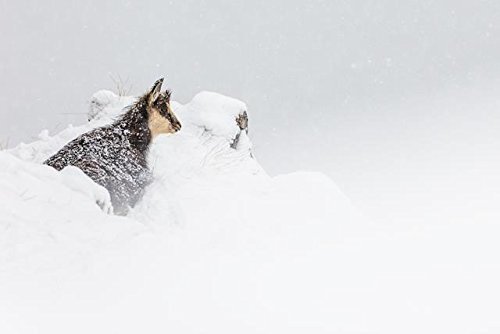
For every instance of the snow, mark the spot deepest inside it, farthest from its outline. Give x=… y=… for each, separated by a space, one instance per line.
x=218 y=246
x=108 y=104
x=216 y=113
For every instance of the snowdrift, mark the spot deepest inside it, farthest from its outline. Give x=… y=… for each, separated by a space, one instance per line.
x=218 y=246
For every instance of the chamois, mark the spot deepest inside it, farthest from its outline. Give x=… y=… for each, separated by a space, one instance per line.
x=115 y=156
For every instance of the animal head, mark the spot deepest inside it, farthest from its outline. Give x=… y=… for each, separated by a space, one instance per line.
x=161 y=118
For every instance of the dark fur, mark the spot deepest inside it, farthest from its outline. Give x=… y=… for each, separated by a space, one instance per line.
x=115 y=156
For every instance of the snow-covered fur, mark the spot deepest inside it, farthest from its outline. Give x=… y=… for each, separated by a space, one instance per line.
x=115 y=156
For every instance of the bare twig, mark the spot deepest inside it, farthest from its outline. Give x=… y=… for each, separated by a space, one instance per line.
x=5 y=144
x=123 y=87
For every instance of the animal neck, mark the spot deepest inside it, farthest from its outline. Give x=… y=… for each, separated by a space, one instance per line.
x=135 y=125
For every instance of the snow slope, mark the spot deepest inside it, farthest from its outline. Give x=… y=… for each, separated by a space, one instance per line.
x=218 y=246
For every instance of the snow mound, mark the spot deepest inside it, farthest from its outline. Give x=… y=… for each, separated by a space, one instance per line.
x=218 y=246
x=216 y=112
x=105 y=103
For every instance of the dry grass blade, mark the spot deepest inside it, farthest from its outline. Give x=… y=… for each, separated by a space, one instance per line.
x=123 y=87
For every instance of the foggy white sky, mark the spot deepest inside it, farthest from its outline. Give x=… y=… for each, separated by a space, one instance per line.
x=398 y=101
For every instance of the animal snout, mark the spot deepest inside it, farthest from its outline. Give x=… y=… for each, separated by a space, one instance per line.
x=177 y=126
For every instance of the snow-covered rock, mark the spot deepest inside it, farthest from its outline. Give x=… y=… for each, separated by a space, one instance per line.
x=106 y=104
x=216 y=113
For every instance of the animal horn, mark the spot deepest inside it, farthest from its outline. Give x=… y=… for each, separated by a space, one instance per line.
x=157 y=84
x=155 y=90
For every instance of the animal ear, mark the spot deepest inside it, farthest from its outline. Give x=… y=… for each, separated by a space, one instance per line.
x=155 y=91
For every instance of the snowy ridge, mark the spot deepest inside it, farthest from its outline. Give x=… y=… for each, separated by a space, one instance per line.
x=218 y=246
